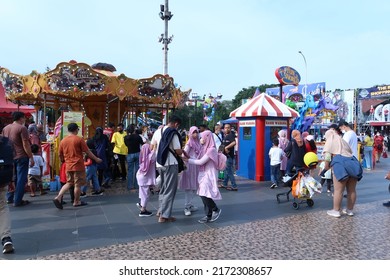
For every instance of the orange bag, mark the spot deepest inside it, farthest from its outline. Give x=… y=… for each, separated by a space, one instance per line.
x=296 y=185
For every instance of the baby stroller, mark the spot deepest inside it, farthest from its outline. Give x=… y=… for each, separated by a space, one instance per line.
x=302 y=185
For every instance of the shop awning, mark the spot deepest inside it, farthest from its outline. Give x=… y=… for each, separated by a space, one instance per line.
x=264 y=105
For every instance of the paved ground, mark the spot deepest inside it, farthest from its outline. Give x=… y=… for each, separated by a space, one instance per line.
x=252 y=226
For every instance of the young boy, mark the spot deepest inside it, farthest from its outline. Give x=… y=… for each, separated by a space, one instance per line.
x=35 y=172
x=276 y=156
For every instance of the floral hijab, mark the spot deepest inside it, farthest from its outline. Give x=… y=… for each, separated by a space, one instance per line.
x=296 y=135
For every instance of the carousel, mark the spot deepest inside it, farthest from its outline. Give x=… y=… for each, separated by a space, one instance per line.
x=101 y=95
x=95 y=94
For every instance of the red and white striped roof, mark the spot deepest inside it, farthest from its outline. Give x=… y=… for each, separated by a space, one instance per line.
x=264 y=105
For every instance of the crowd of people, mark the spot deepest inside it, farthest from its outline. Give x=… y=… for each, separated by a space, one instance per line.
x=149 y=163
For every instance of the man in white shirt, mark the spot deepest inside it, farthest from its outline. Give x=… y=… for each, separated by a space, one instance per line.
x=168 y=170
x=350 y=137
x=217 y=136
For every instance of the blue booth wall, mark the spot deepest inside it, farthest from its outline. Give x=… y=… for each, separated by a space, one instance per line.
x=247 y=151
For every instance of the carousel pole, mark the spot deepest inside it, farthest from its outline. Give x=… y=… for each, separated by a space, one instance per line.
x=44 y=112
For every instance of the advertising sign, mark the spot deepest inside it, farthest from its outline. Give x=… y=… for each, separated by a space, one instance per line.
x=374 y=92
x=287 y=75
x=72 y=117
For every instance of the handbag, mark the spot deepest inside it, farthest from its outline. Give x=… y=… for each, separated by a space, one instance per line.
x=180 y=162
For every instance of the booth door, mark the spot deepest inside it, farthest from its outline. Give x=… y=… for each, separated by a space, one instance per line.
x=247 y=152
x=271 y=132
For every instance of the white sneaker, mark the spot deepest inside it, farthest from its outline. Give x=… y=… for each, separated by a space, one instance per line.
x=193 y=208
x=347 y=212
x=139 y=206
x=215 y=215
x=187 y=212
x=334 y=213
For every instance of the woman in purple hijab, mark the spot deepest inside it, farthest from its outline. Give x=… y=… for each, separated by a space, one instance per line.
x=146 y=177
x=208 y=177
x=188 y=182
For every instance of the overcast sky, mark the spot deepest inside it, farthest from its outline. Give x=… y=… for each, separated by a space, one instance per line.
x=219 y=46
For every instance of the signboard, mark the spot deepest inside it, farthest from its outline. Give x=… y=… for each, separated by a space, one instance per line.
x=247 y=123
x=374 y=92
x=72 y=117
x=287 y=75
x=282 y=123
x=291 y=90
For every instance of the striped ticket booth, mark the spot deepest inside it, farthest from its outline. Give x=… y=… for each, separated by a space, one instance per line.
x=259 y=121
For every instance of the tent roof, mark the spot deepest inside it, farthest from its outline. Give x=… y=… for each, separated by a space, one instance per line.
x=9 y=107
x=264 y=105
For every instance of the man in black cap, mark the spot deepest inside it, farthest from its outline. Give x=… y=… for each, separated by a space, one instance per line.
x=71 y=151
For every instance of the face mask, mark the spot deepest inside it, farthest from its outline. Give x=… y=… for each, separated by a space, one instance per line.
x=343 y=131
x=377 y=134
x=201 y=141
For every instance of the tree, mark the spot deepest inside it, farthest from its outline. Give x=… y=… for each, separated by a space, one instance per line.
x=247 y=93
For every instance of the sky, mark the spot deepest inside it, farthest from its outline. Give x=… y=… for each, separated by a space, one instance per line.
x=218 y=46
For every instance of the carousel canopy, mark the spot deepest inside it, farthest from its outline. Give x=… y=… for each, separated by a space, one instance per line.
x=264 y=105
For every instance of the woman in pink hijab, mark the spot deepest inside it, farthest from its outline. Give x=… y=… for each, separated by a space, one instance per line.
x=146 y=177
x=188 y=181
x=208 y=177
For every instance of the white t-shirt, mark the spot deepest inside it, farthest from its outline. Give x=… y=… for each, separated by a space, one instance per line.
x=351 y=138
x=217 y=140
x=174 y=145
x=36 y=169
x=275 y=154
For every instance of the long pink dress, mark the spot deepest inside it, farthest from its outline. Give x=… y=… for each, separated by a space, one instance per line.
x=189 y=178
x=208 y=178
x=283 y=142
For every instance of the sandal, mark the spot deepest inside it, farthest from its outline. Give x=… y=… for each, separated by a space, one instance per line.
x=32 y=195
x=82 y=203
x=231 y=189
x=221 y=186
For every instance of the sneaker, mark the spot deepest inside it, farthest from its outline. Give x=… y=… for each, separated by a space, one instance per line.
x=193 y=208
x=215 y=215
x=272 y=186
x=145 y=213
x=187 y=211
x=204 y=220
x=334 y=213
x=97 y=192
x=327 y=190
x=8 y=247
x=83 y=194
x=347 y=212
x=387 y=204
x=139 y=206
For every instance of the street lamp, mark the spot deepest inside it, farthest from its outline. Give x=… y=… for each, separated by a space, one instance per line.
x=166 y=16
x=195 y=98
x=304 y=58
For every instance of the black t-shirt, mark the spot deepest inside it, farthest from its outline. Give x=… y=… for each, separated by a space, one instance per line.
x=133 y=143
x=226 y=141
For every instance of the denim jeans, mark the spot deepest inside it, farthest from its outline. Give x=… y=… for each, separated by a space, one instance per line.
x=275 y=176
x=228 y=173
x=132 y=168
x=368 y=156
x=92 y=176
x=21 y=172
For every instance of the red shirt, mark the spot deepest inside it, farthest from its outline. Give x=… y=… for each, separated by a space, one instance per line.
x=109 y=132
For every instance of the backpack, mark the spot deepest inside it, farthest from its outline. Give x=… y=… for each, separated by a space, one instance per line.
x=221 y=166
x=6 y=161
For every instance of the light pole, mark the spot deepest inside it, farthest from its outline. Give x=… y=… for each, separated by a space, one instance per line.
x=304 y=58
x=195 y=98
x=165 y=15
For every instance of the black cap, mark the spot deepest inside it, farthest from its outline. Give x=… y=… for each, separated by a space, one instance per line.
x=72 y=127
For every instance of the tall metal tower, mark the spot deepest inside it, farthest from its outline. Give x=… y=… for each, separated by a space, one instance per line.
x=165 y=15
